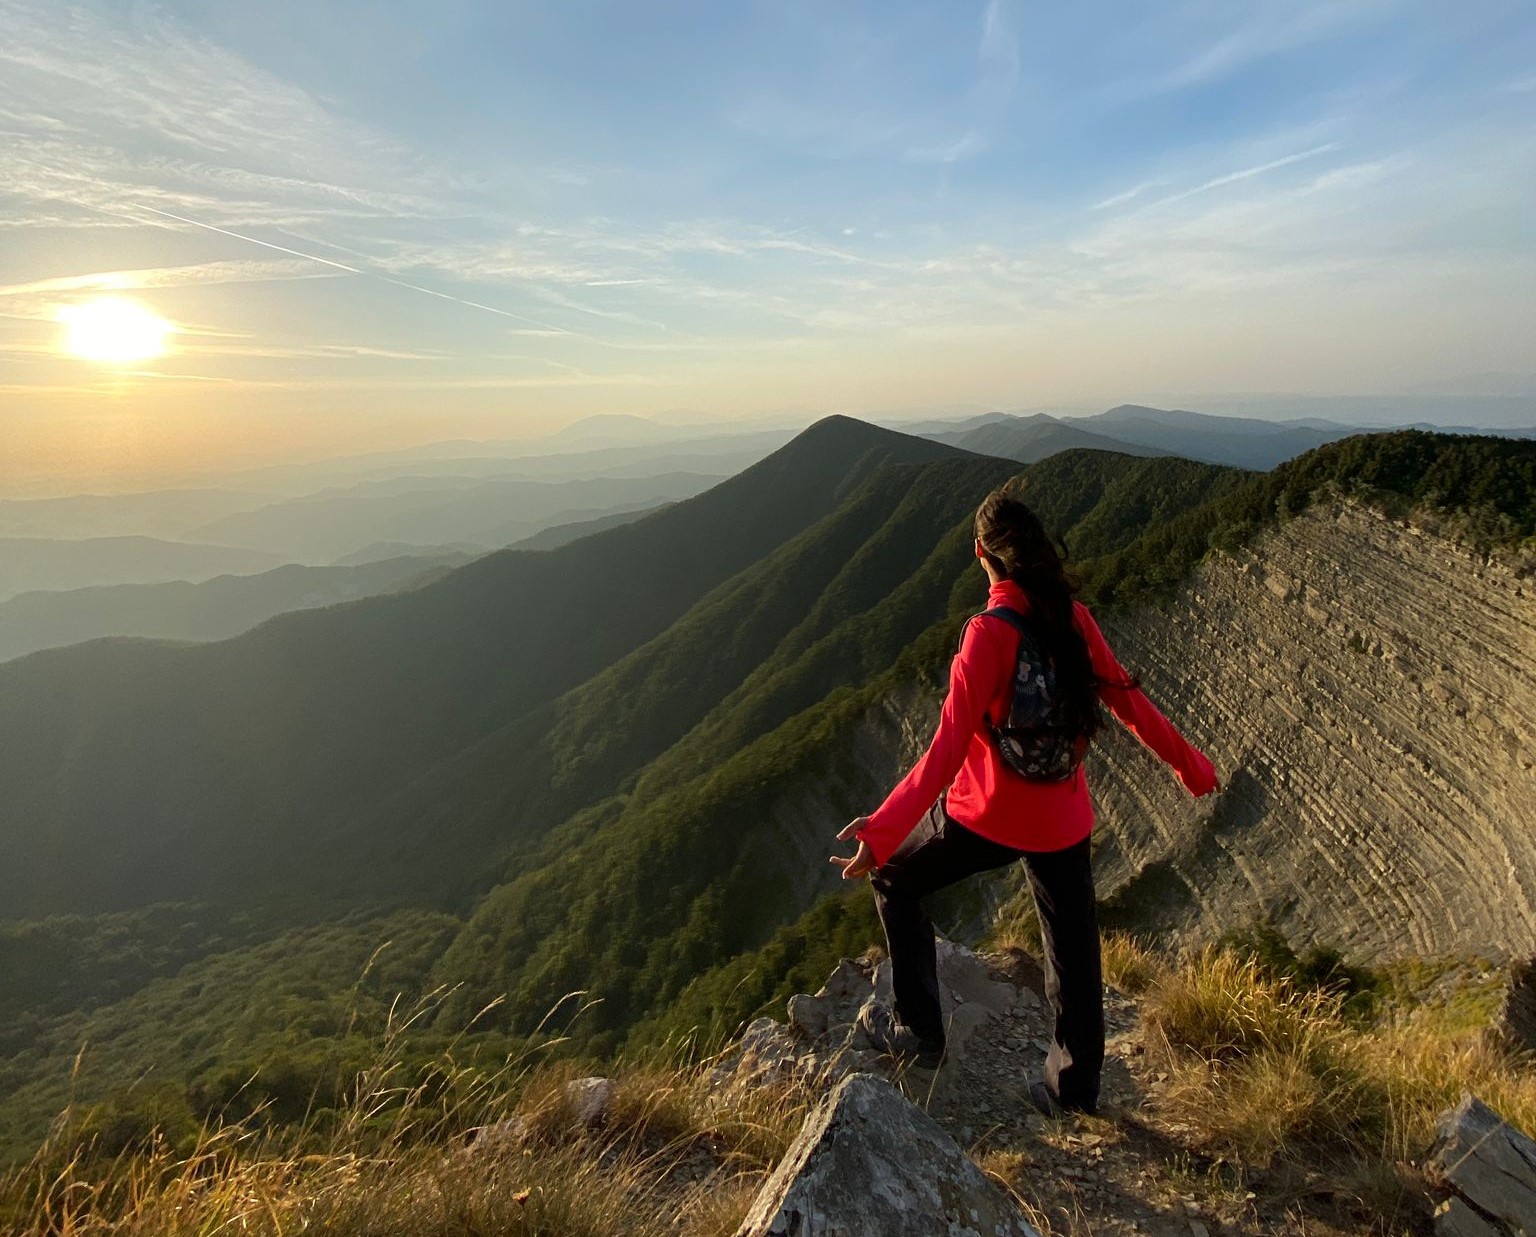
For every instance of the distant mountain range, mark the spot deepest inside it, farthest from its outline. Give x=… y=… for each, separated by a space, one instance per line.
x=557 y=535
x=156 y=513
x=1237 y=441
x=213 y=609
x=31 y=563
x=325 y=526
x=720 y=449
x=1032 y=438
x=458 y=498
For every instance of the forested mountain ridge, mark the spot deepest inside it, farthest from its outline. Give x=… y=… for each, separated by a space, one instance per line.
x=515 y=784
x=647 y=828
x=141 y=772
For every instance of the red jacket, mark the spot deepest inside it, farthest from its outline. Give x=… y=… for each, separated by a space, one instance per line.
x=984 y=794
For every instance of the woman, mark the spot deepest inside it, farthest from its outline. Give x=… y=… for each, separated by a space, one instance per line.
x=990 y=816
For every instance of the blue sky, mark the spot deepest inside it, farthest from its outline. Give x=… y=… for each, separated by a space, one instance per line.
x=532 y=213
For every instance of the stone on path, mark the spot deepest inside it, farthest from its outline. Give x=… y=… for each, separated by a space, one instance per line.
x=964 y=976
x=589 y=1099
x=869 y=1163
x=808 y=1014
x=1491 y=1167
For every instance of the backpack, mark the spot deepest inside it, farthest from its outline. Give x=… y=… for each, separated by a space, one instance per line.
x=1033 y=739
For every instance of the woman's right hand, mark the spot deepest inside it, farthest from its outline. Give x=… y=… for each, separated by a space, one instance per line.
x=863 y=861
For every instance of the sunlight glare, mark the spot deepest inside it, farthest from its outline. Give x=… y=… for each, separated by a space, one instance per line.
x=113 y=330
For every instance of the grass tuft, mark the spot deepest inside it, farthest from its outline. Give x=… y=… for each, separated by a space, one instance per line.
x=1266 y=1070
x=1128 y=964
x=503 y=1150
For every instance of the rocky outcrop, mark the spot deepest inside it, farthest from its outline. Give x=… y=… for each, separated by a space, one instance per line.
x=869 y=1163
x=1490 y=1169
x=1368 y=691
x=999 y=1034
x=823 y=1042
x=1515 y=1023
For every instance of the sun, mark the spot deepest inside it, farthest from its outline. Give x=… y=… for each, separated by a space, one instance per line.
x=114 y=330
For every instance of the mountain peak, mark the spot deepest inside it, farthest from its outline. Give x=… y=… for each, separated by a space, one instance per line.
x=842 y=432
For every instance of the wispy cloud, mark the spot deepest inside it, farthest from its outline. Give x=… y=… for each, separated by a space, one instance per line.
x=1228 y=178
x=87 y=96
x=1119 y=199
x=317 y=352
x=1254 y=33
x=194 y=275
x=963 y=147
x=998 y=52
x=353 y=270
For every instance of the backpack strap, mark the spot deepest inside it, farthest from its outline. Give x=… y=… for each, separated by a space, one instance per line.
x=1009 y=615
x=1014 y=619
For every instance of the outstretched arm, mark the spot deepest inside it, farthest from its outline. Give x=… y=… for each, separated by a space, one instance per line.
x=1140 y=716
x=973 y=674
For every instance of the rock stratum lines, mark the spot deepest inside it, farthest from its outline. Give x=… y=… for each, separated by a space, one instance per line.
x=1367 y=690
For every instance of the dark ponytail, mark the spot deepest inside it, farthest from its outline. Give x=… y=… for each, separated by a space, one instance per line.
x=1018 y=545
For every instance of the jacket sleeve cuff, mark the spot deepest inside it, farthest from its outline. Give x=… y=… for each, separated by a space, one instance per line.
x=1199 y=776
x=880 y=835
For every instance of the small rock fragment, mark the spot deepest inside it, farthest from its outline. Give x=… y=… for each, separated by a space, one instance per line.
x=589 y=1099
x=808 y=1014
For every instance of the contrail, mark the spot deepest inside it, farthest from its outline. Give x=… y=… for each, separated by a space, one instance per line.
x=198 y=223
x=354 y=270
x=154 y=373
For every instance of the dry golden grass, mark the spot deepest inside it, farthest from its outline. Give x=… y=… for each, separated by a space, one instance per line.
x=1220 y=1005
x=1128 y=964
x=500 y=1151
x=1016 y=925
x=1265 y=1070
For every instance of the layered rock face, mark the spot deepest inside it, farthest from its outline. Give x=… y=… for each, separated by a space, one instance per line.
x=1367 y=691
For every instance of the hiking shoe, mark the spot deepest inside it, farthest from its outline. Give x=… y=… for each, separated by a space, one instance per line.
x=889 y=1035
x=1044 y=1101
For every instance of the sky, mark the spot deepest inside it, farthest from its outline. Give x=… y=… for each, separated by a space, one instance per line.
x=370 y=223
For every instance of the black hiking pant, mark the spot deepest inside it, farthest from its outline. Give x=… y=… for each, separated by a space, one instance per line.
x=941 y=851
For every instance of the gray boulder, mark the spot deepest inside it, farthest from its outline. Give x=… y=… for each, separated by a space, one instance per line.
x=1454 y=1218
x=869 y=1163
x=766 y=1050
x=1490 y=1167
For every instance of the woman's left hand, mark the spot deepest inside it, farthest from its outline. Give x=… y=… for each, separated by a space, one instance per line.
x=863 y=862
